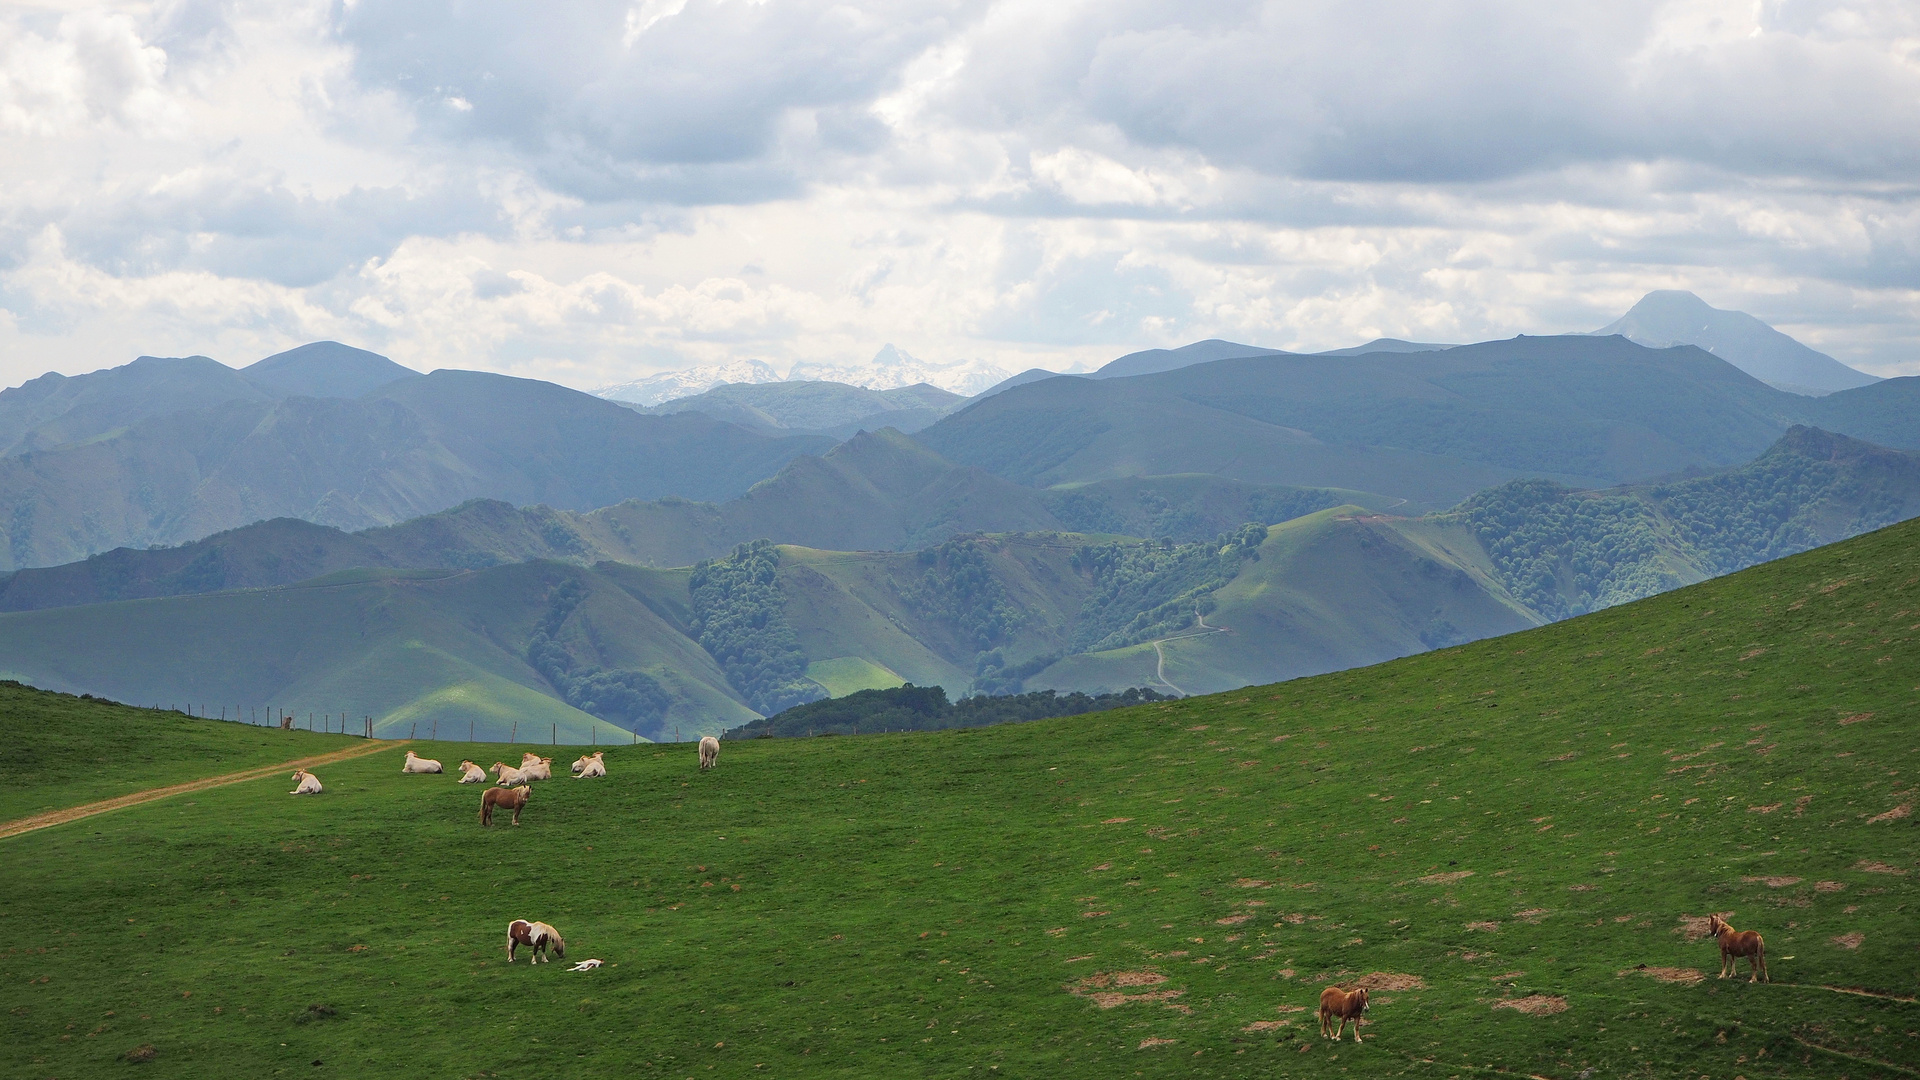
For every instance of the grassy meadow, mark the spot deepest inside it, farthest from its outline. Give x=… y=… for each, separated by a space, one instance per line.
x=1497 y=835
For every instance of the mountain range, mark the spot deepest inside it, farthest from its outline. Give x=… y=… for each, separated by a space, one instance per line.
x=602 y=641
x=1672 y=317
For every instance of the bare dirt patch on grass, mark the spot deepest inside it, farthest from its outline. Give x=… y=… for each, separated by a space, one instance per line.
x=1685 y=976
x=1447 y=878
x=1849 y=941
x=1873 y=867
x=1829 y=886
x=1694 y=927
x=1389 y=980
x=1534 y=1004
x=1232 y=920
x=1150 y=1043
x=1895 y=814
x=1107 y=989
x=1252 y=883
x=1267 y=1025
x=1487 y=926
x=1775 y=882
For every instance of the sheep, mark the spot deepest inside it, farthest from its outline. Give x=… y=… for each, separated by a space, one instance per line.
x=418 y=764
x=509 y=776
x=472 y=774
x=709 y=752
x=305 y=783
x=594 y=764
x=514 y=799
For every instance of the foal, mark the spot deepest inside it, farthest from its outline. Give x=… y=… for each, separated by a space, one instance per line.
x=1735 y=944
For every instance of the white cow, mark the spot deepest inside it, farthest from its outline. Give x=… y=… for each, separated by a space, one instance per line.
x=709 y=752
x=538 y=769
x=472 y=774
x=509 y=776
x=305 y=783
x=594 y=764
x=418 y=764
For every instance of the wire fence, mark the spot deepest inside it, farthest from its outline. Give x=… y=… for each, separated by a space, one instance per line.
x=363 y=725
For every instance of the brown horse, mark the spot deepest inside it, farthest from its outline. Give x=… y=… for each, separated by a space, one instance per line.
x=1335 y=1002
x=514 y=799
x=1735 y=944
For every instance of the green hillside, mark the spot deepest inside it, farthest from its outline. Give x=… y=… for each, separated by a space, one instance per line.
x=1513 y=840
x=827 y=408
x=878 y=491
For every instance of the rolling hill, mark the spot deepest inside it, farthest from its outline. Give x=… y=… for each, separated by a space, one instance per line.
x=879 y=491
x=1513 y=842
x=822 y=408
x=413 y=445
x=1430 y=427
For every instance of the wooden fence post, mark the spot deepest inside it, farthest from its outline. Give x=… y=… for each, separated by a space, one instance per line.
x=514 y=733
x=469 y=731
x=436 y=729
x=556 y=734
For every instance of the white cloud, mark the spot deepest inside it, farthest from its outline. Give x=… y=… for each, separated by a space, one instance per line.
x=599 y=191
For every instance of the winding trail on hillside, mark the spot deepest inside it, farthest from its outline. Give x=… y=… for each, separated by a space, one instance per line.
x=1160 y=669
x=87 y=810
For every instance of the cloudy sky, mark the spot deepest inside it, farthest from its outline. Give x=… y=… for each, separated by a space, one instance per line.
x=593 y=191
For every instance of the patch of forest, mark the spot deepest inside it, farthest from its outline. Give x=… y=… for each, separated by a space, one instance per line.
x=739 y=617
x=631 y=699
x=926 y=708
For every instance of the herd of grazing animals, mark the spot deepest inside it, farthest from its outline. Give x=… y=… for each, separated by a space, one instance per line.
x=514 y=788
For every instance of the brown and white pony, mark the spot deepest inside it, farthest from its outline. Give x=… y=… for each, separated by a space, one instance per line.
x=537 y=937
x=1335 y=1002
x=513 y=798
x=1735 y=944
x=709 y=752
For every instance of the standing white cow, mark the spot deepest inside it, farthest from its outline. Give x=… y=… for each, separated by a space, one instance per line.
x=594 y=764
x=472 y=774
x=305 y=783
x=418 y=764
x=709 y=752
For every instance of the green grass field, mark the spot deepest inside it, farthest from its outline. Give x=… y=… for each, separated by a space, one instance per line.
x=1159 y=891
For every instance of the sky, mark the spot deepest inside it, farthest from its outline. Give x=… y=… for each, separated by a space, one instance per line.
x=592 y=192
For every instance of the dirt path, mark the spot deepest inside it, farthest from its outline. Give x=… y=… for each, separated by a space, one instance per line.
x=86 y=810
x=1160 y=669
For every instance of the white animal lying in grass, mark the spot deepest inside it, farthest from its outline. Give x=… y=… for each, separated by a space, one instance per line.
x=509 y=776
x=586 y=965
x=305 y=783
x=472 y=774
x=537 y=768
x=417 y=764
x=594 y=764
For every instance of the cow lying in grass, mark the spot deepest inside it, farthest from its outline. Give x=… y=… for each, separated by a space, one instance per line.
x=1735 y=944
x=514 y=799
x=536 y=767
x=418 y=764
x=594 y=764
x=472 y=774
x=537 y=937
x=509 y=776
x=305 y=783
x=709 y=752
x=1335 y=1002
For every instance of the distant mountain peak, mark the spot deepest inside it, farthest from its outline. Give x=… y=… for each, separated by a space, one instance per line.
x=326 y=369
x=673 y=385
x=1668 y=317
x=893 y=367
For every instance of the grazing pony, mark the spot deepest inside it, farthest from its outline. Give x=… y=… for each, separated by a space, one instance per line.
x=509 y=776
x=514 y=799
x=1735 y=944
x=418 y=764
x=472 y=774
x=537 y=937
x=594 y=764
x=1335 y=1002
x=709 y=752
x=305 y=783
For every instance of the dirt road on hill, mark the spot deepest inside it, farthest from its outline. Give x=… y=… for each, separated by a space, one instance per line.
x=86 y=810
x=1160 y=669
